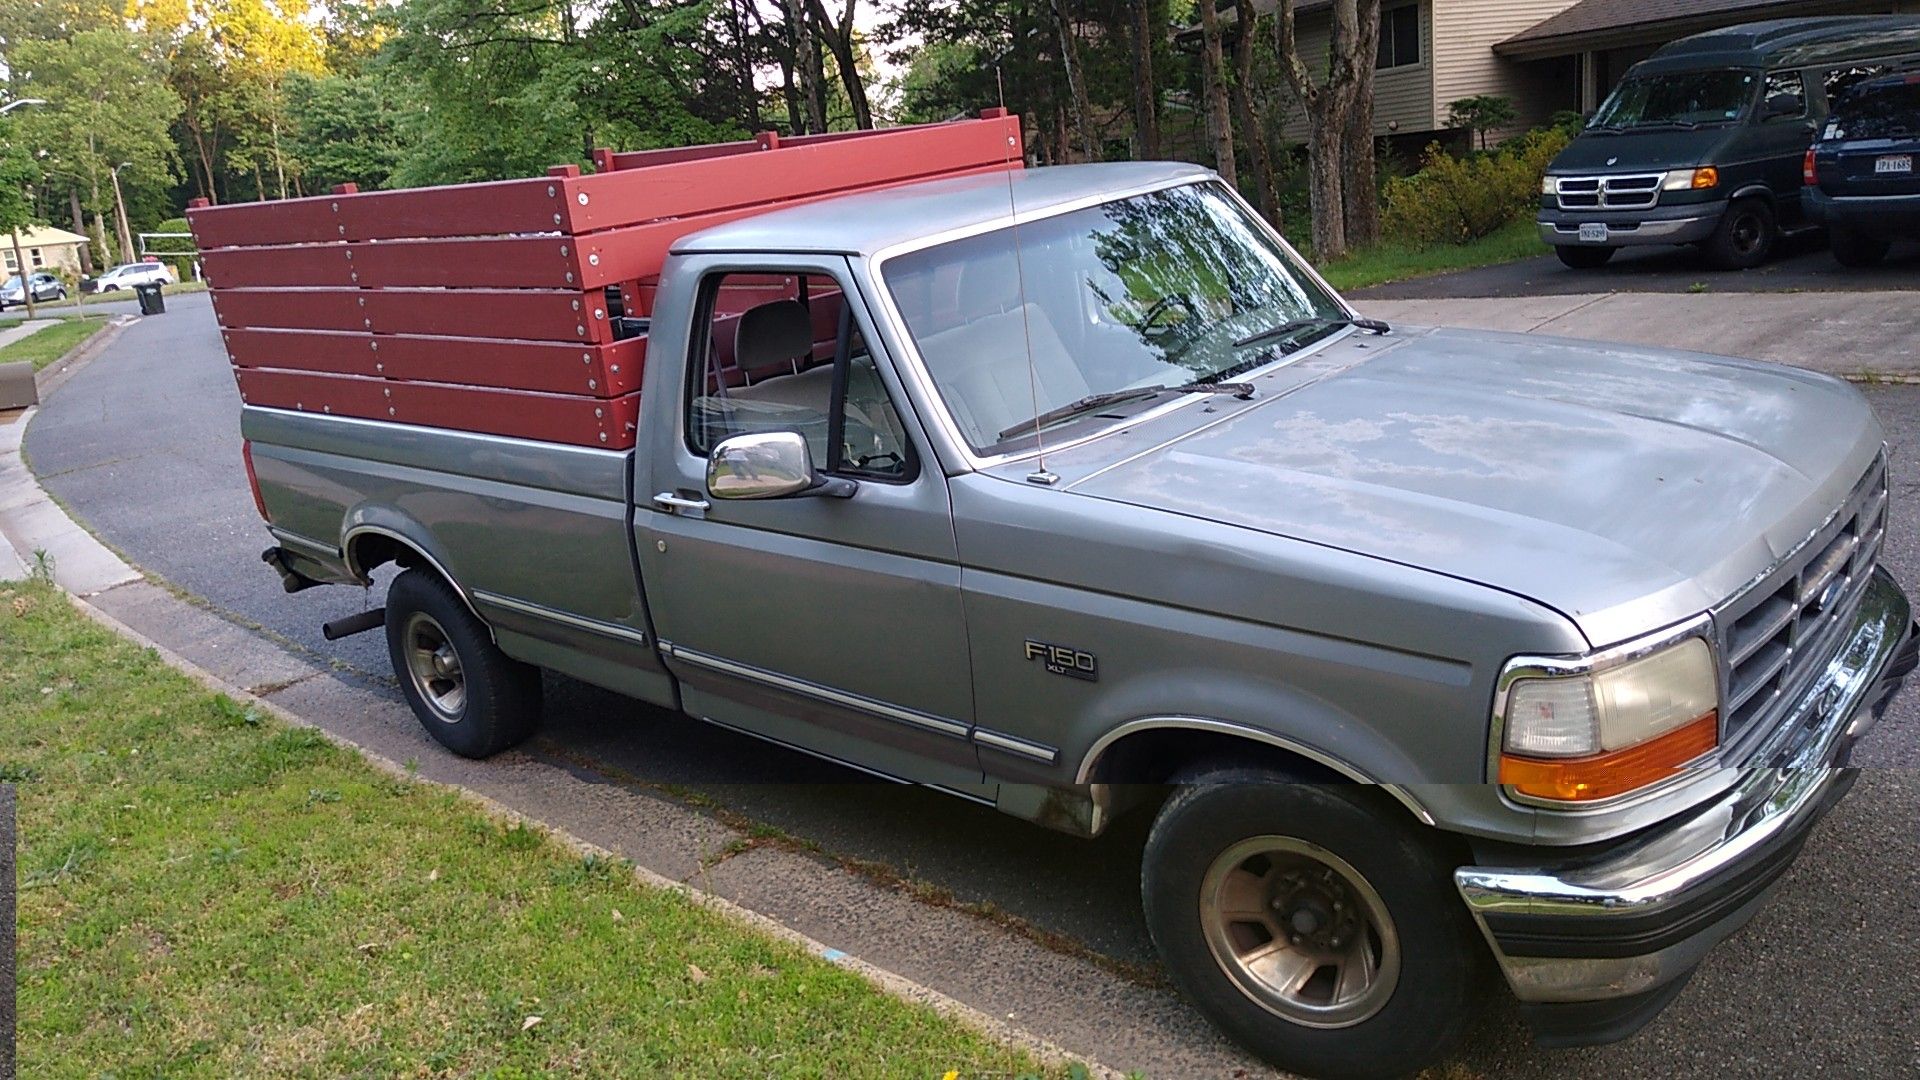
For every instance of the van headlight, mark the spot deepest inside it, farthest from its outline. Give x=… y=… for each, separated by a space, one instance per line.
x=1597 y=734
x=1700 y=179
x=1549 y=185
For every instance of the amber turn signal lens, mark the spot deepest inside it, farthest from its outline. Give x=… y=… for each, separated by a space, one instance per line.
x=1706 y=178
x=1602 y=776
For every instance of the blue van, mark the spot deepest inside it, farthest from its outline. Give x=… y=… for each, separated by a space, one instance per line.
x=1705 y=141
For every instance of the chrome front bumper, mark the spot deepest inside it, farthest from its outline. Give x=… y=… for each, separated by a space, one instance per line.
x=1629 y=924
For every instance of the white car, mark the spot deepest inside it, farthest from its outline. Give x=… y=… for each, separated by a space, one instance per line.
x=127 y=275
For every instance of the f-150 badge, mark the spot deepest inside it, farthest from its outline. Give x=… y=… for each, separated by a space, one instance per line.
x=1061 y=660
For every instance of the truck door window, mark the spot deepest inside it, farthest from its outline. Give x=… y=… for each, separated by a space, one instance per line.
x=790 y=386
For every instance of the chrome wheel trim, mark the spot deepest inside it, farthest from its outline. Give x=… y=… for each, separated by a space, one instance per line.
x=434 y=667
x=1300 y=931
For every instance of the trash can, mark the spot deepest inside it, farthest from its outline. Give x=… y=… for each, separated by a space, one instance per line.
x=151 y=302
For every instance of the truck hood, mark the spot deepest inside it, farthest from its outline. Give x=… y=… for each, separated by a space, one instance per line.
x=1640 y=151
x=1627 y=488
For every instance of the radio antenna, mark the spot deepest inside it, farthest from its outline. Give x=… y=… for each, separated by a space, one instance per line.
x=1039 y=475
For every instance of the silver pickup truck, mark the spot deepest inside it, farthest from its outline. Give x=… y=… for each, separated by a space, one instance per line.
x=1079 y=493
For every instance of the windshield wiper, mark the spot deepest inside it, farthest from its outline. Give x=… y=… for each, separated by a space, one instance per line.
x=1294 y=326
x=1091 y=402
x=1654 y=125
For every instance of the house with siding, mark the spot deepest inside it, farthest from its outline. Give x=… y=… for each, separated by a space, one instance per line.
x=1546 y=56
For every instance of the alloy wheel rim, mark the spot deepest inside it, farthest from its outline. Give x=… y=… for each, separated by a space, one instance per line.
x=434 y=667
x=1300 y=931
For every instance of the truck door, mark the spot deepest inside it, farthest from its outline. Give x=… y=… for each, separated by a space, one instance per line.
x=1781 y=139
x=830 y=622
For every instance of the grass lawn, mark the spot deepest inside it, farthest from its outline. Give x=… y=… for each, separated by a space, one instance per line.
x=1396 y=262
x=50 y=343
x=205 y=892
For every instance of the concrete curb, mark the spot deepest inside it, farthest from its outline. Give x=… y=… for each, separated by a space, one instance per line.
x=26 y=510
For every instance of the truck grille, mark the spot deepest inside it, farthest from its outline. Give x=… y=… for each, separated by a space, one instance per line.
x=1637 y=192
x=1778 y=633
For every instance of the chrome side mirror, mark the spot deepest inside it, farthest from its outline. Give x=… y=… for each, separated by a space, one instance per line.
x=769 y=465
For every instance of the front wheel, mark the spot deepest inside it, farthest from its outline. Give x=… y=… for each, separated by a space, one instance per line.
x=1745 y=236
x=472 y=698
x=1311 y=923
x=1584 y=258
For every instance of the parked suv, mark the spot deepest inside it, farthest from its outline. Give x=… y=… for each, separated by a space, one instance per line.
x=45 y=287
x=1703 y=142
x=128 y=275
x=1860 y=178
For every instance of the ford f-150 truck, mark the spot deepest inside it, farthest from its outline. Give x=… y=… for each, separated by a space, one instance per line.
x=1076 y=491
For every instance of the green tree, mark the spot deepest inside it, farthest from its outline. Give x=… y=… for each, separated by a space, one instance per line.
x=18 y=173
x=1480 y=114
x=342 y=129
x=108 y=104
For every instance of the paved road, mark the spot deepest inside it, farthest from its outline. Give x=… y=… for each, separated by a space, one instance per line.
x=142 y=443
x=1802 y=264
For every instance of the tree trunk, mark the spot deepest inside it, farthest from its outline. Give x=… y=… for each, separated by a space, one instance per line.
x=26 y=275
x=1327 y=178
x=839 y=39
x=1329 y=107
x=1251 y=116
x=1359 y=184
x=1076 y=82
x=1146 y=96
x=1214 y=78
x=91 y=254
x=806 y=66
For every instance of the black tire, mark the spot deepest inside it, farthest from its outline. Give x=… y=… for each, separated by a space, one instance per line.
x=1745 y=236
x=1852 y=248
x=497 y=703
x=1584 y=258
x=1417 y=1014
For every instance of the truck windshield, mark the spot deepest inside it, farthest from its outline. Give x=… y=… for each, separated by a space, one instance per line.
x=1161 y=292
x=1677 y=99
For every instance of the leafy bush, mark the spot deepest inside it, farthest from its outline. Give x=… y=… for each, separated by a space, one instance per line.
x=1452 y=200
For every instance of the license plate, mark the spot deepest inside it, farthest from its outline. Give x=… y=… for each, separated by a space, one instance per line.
x=1902 y=163
x=1593 y=232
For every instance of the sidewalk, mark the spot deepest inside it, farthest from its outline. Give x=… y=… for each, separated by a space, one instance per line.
x=1861 y=335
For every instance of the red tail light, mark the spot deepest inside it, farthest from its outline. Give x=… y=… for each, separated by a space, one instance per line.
x=1809 y=175
x=253 y=480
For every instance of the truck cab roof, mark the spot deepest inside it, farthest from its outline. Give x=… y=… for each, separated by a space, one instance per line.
x=870 y=222
x=1790 y=43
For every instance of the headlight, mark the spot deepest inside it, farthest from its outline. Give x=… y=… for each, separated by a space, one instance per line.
x=1549 y=185
x=1692 y=179
x=1578 y=738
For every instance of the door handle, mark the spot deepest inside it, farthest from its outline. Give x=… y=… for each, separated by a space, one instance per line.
x=672 y=503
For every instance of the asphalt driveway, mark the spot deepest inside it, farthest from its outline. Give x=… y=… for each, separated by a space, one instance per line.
x=142 y=444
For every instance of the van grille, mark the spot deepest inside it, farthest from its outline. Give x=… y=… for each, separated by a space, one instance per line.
x=1780 y=632
x=1637 y=192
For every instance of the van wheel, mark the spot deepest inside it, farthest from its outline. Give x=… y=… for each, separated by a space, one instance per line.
x=472 y=698
x=1316 y=927
x=1852 y=248
x=1584 y=258
x=1745 y=237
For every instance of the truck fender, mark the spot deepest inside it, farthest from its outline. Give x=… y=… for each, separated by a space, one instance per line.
x=1753 y=189
x=1091 y=760
x=371 y=520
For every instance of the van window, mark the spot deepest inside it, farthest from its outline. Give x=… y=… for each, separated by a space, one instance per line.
x=1785 y=97
x=1838 y=81
x=1682 y=99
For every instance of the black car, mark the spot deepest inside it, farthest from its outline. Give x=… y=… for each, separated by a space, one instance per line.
x=1703 y=142
x=1860 y=178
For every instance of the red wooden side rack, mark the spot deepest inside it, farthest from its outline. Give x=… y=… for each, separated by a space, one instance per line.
x=486 y=307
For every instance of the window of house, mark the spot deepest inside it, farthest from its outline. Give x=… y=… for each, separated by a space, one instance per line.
x=11 y=264
x=856 y=433
x=1399 y=37
x=38 y=260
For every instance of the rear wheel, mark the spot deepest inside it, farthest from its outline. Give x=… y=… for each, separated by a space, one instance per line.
x=1852 y=248
x=1584 y=258
x=472 y=698
x=1310 y=922
x=1745 y=236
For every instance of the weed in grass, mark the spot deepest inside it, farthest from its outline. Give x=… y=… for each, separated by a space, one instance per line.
x=1698 y=287
x=41 y=572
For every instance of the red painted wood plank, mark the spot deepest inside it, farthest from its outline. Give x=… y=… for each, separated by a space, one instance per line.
x=307 y=265
x=603 y=371
x=632 y=196
x=579 y=421
x=526 y=314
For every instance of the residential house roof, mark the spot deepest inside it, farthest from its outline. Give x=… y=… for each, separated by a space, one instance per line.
x=44 y=236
